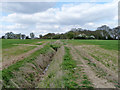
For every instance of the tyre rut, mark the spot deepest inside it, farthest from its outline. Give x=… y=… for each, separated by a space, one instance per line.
x=97 y=82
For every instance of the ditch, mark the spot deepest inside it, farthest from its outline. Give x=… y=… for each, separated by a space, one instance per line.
x=28 y=72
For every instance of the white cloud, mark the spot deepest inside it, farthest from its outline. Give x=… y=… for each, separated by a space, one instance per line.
x=80 y=14
x=26 y=7
x=41 y=17
x=58 y=20
x=14 y=27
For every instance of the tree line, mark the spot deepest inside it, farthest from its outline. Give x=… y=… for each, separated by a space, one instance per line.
x=103 y=32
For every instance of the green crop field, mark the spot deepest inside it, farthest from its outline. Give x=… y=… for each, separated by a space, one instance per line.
x=106 y=44
x=8 y=43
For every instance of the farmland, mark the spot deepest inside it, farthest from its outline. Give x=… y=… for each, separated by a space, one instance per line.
x=47 y=63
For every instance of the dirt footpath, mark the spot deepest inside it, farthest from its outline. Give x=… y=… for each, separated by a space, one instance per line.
x=20 y=57
x=96 y=81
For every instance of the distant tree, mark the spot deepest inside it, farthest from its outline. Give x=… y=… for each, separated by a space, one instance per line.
x=3 y=37
x=70 y=35
x=40 y=36
x=9 y=35
x=49 y=36
x=119 y=32
x=115 y=32
x=57 y=36
x=32 y=35
x=27 y=37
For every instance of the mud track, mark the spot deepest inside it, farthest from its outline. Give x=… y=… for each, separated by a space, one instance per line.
x=96 y=81
x=111 y=75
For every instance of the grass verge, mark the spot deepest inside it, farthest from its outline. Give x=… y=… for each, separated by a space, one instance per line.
x=7 y=73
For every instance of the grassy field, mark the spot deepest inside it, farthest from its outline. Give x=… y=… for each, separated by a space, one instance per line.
x=12 y=48
x=8 y=43
x=106 y=44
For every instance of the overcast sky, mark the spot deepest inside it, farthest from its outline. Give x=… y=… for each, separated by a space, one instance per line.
x=56 y=17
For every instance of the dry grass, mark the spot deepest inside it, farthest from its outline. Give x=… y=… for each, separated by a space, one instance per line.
x=10 y=53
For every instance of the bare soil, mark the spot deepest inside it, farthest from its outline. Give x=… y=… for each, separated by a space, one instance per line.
x=96 y=81
x=111 y=75
x=26 y=44
x=107 y=57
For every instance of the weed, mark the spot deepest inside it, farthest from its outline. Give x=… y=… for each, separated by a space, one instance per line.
x=51 y=75
x=85 y=76
x=86 y=82
x=39 y=44
x=55 y=46
x=69 y=64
